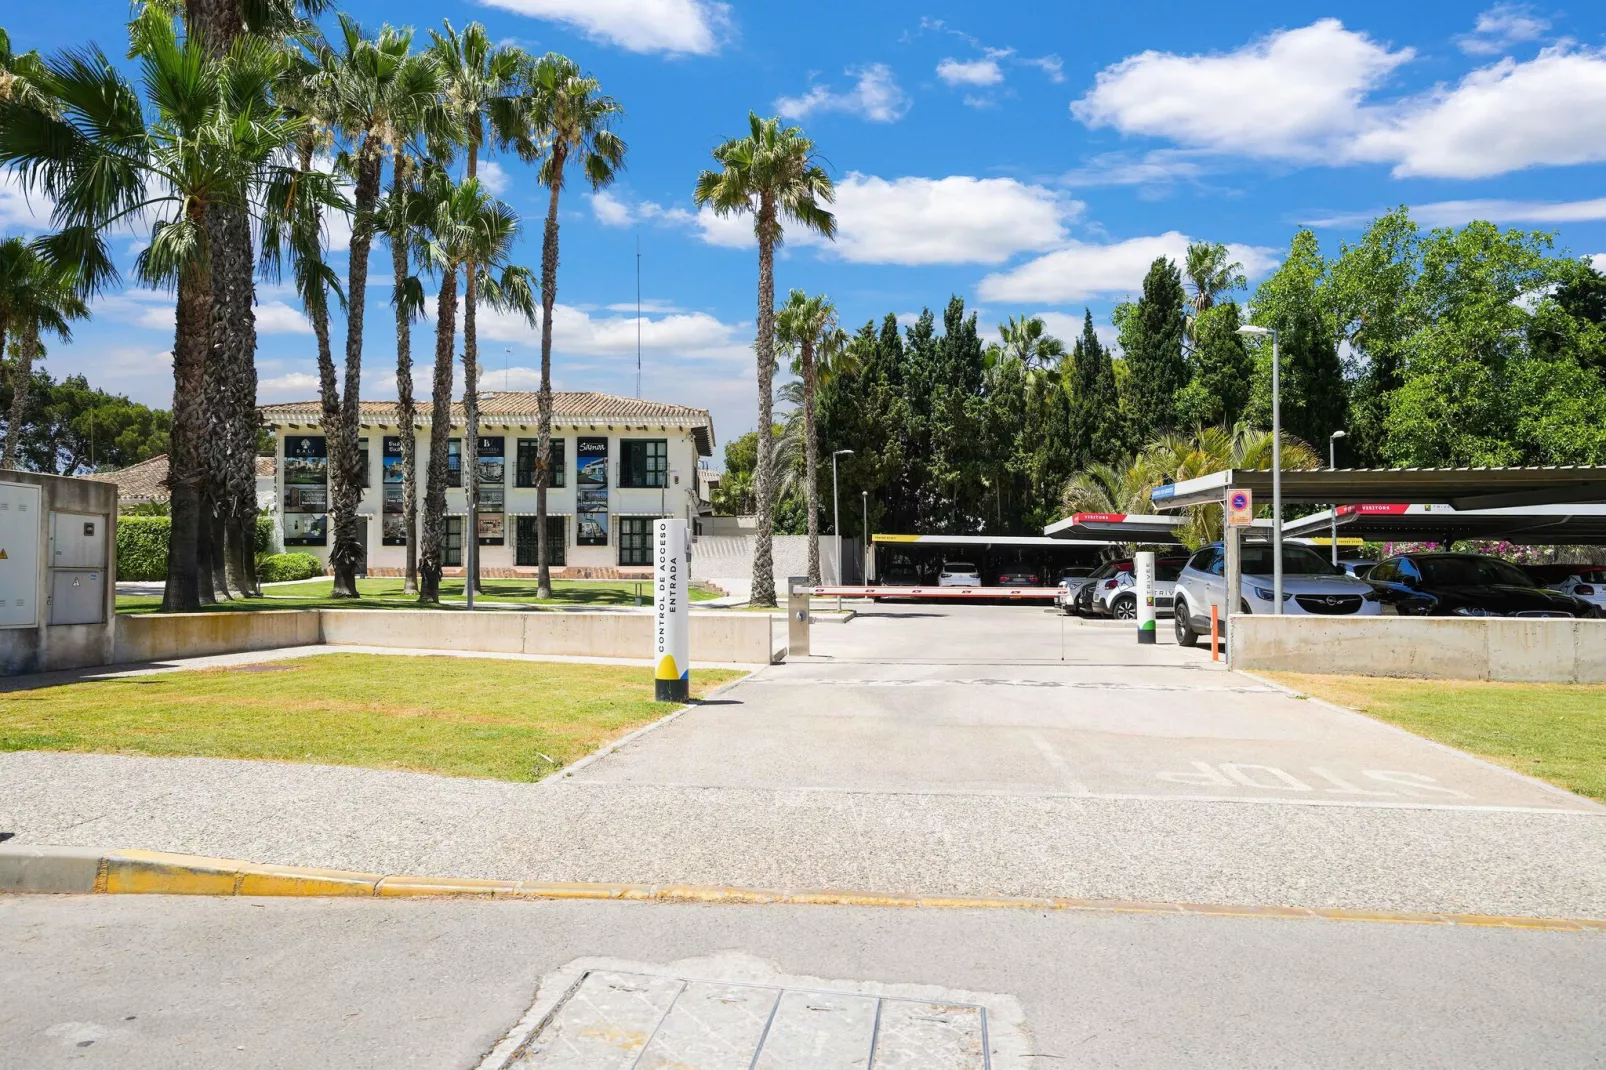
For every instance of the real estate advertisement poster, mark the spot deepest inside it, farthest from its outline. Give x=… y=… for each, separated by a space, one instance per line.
x=393 y=530
x=392 y=460
x=491 y=456
x=306 y=460
x=591 y=492
x=306 y=529
x=306 y=490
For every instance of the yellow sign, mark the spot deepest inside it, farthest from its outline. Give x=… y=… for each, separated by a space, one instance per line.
x=3 y=556
x=894 y=538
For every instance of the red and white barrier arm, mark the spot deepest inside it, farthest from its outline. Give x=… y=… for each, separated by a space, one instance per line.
x=958 y=593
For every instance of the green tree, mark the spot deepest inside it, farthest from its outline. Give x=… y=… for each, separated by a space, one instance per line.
x=1095 y=418
x=37 y=295
x=773 y=175
x=572 y=117
x=211 y=135
x=1151 y=344
x=69 y=427
x=1221 y=370
x=1314 y=394
x=1210 y=272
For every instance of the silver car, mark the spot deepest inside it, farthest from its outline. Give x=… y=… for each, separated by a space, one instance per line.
x=1311 y=586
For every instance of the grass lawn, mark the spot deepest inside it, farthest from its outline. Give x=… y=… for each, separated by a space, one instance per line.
x=476 y=717
x=1553 y=731
x=387 y=594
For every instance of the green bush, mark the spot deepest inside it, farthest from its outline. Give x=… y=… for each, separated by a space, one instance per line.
x=276 y=568
x=142 y=547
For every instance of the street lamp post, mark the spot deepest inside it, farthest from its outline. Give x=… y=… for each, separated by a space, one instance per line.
x=1276 y=468
x=1332 y=463
x=836 y=519
x=864 y=572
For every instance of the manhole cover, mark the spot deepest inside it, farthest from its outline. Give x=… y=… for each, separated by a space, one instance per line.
x=609 y=1016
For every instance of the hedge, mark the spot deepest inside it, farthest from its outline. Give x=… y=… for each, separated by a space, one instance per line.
x=276 y=568
x=142 y=545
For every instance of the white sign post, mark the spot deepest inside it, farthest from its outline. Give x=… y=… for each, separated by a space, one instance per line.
x=1143 y=573
x=671 y=644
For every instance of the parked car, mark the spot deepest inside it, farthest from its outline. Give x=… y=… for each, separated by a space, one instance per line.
x=899 y=576
x=1467 y=585
x=958 y=574
x=1117 y=596
x=1358 y=569
x=1072 y=580
x=1311 y=585
x=1581 y=581
x=1018 y=577
x=1105 y=573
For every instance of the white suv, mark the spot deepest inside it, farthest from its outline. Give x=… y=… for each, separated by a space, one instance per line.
x=958 y=574
x=1310 y=586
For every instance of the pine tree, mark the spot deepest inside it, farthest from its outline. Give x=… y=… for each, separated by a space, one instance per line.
x=1152 y=343
x=1096 y=432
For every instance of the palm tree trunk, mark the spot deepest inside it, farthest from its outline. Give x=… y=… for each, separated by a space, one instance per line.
x=405 y=410
x=549 y=293
x=346 y=551
x=329 y=395
x=185 y=455
x=811 y=445
x=763 y=478
x=440 y=431
x=21 y=377
x=240 y=397
x=471 y=408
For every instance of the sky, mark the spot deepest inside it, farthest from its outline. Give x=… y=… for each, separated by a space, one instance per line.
x=1032 y=158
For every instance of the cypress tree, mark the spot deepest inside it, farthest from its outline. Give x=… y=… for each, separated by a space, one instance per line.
x=1153 y=349
x=1095 y=418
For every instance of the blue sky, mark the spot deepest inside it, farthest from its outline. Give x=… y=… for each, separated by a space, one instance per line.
x=1032 y=158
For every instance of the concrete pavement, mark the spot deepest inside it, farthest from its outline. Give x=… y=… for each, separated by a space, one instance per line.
x=923 y=750
x=152 y=982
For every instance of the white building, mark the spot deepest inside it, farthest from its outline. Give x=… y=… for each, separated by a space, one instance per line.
x=618 y=464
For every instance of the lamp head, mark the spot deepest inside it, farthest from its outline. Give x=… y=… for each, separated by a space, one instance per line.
x=1250 y=330
x=841 y=453
x=1338 y=434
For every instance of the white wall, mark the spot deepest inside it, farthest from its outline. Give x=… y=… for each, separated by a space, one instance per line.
x=677 y=499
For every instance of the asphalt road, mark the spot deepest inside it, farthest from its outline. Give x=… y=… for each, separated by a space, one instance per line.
x=154 y=982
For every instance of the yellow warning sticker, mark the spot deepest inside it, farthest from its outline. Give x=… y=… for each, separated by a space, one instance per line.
x=3 y=556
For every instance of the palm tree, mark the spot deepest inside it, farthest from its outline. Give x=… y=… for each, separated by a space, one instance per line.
x=1028 y=341
x=398 y=221
x=801 y=326
x=19 y=76
x=486 y=101
x=773 y=174
x=375 y=91
x=466 y=229
x=36 y=296
x=572 y=118
x=211 y=136
x=1209 y=272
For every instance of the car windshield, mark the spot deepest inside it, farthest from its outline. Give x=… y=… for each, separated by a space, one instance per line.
x=1597 y=575
x=1167 y=571
x=1470 y=572
x=1297 y=561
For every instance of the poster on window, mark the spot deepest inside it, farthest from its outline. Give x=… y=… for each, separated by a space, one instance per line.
x=492 y=528
x=591 y=492
x=306 y=460
x=305 y=499
x=306 y=529
x=391 y=459
x=490 y=453
x=393 y=531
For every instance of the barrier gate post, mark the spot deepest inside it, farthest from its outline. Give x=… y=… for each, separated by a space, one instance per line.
x=797 y=616
x=1143 y=574
x=671 y=643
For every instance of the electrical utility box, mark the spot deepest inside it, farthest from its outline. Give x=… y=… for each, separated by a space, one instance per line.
x=77 y=540
x=77 y=595
x=20 y=562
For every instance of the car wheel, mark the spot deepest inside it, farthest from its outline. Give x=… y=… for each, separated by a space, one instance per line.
x=1186 y=636
x=1125 y=608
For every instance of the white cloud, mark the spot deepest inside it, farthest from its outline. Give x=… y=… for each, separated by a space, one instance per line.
x=1455 y=213
x=1500 y=27
x=1050 y=65
x=494 y=177
x=952 y=220
x=277 y=317
x=20 y=210
x=1288 y=95
x=1068 y=328
x=695 y=27
x=576 y=332
x=1082 y=271
x=875 y=95
x=1597 y=261
x=291 y=385
x=1156 y=168
x=1548 y=111
x=970 y=72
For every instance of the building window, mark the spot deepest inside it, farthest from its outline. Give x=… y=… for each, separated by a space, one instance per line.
x=526 y=549
x=452 y=543
x=635 y=539
x=454 y=462
x=529 y=450
x=645 y=462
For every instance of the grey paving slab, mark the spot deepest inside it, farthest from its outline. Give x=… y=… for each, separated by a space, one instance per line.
x=820 y=1031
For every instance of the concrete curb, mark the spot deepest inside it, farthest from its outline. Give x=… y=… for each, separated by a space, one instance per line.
x=86 y=870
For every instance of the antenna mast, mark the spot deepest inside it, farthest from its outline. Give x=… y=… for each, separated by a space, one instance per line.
x=638 y=315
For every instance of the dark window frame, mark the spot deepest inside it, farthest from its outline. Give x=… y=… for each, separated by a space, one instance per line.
x=635 y=539
x=640 y=464
x=524 y=540
x=526 y=452
x=452 y=541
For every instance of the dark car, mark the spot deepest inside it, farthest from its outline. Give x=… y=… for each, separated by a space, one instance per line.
x=899 y=576
x=1466 y=585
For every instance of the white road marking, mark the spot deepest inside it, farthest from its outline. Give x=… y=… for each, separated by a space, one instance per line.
x=1057 y=760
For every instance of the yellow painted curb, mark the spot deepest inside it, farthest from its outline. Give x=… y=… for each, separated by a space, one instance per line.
x=156 y=873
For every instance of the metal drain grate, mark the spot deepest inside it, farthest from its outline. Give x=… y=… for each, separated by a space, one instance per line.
x=613 y=1020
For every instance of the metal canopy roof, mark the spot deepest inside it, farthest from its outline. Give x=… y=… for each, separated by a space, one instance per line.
x=1463 y=488
x=1116 y=527
x=1546 y=525
x=881 y=539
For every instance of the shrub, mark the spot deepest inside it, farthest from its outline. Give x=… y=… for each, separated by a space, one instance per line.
x=276 y=568
x=142 y=547
x=263 y=540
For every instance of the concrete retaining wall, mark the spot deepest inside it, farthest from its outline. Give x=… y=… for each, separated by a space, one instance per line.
x=166 y=636
x=1442 y=648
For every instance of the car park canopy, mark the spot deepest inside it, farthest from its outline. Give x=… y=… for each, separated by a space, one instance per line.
x=1462 y=488
x=1547 y=525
